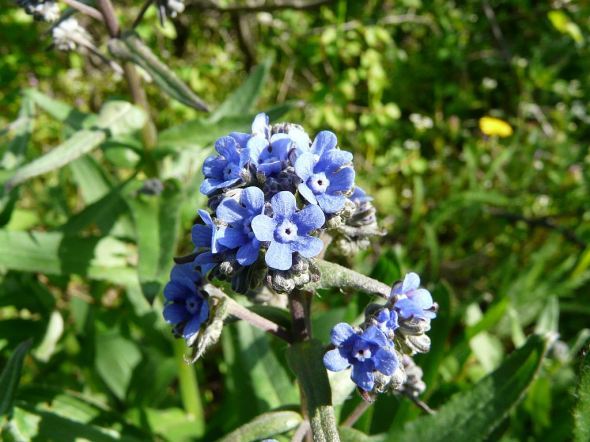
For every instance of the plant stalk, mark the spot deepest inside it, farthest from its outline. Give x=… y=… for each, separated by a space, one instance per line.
x=189 y=388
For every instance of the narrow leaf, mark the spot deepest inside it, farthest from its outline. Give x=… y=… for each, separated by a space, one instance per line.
x=131 y=48
x=115 y=118
x=473 y=415
x=23 y=127
x=58 y=109
x=10 y=377
x=265 y=426
x=305 y=359
x=53 y=253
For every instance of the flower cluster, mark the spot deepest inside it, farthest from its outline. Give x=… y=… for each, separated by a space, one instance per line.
x=169 y=8
x=379 y=350
x=186 y=305
x=271 y=192
x=68 y=34
x=43 y=10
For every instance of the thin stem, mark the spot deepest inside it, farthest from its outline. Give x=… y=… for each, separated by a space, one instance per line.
x=189 y=388
x=84 y=9
x=356 y=414
x=239 y=311
x=110 y=19
x=421 y=404
x=142 y=12
x=337 y=276
x=303 y=429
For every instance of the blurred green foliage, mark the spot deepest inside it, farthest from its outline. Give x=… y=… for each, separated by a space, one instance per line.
x=497 y=227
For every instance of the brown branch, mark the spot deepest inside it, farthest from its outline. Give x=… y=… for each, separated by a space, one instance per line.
x=84 y=9
x=356 y=414
x=260 y=6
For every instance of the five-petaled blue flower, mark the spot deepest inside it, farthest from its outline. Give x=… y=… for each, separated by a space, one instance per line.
x=186 y=306
x=326 y=173
x=238 y=215
x=223 y=170
x=288 y=231
x=413 y=301
x=260 y=126
x=367 y=352
x=269 y=157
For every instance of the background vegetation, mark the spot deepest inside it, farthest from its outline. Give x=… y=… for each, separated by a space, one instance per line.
x=497 y=226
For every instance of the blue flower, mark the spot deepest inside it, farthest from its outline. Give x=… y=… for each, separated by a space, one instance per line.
x=288 y=231
x=387 y=321
x=367 y=352
x=223 y=170
x=326 y=176
x=185 y=307
x=260 y=126
x=206 y=235
x=238 y=215
x=269 y=157
x=413 y=301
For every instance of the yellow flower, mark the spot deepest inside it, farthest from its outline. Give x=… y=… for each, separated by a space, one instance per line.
x=491 y=126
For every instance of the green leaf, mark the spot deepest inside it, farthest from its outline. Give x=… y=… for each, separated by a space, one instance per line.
x=130 y=48
x=473 y=415
x=157 y=220
x=243 y=99
x=58 y=109
x=10 y=377
x=264 y=426
x=582 y=410
x=23 y=127
x=53 y=253
x=272 y=385
x=116 y=358
x=115 y=118
x=305 y=359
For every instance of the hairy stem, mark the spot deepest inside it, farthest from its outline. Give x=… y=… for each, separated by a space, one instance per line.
x=84 y=9
x=300 y=305
x=239 y=311
x=356 y=414
x=337 y=276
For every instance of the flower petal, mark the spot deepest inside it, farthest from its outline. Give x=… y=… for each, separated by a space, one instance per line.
x=333 y=160
x=331 y=203
x=187 y=271
x=178 y=289
x=260 y=124
x=324 y=141
x=201 y=235
x=279 y=256
x=175 y=313
x=228 y=148
x=283 y=205
x=421 y=298
x=241 y=138
x=192 y=327
x=304 y=166
x=342 y=180
x=362 y=376
x=230 y=237
x=248 y=253
x=335 y=361
x=385 y=361
x=230 y=211
x=300 y=138
x=307 y=246
x=375 y=336
x=411 y=282
x=264 y=227
x=307 y=193
x=340 y=333
x=309 y=218
x=253 y=198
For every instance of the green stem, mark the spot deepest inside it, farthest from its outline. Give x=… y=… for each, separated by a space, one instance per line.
x=189 y=388
x=337 y=276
